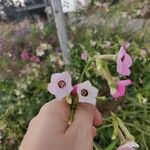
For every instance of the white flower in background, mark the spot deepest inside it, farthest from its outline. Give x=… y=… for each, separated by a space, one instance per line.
x=87 y=92
x=60 y=85
x=40 y=51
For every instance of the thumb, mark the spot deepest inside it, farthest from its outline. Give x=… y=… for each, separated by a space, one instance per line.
x=54 y=116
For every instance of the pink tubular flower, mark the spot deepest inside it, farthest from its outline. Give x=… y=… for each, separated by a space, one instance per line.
x=60 y=85
x=35 y=59
x=84 y=55
x=124 y=62
x=25 y=55
x=87 y=93
x=128 y=146
x=121 y=88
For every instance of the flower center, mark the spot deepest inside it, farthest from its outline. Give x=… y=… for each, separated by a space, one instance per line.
x=84 y=92
x=122 y=58
x=61 y=84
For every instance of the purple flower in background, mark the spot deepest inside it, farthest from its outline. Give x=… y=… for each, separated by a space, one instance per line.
x=58 y=50
x=25 y=55
x=35 y=59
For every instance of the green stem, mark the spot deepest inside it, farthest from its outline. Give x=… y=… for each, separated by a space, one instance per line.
x=107 y=57
x=143 y=137
x=95 y=146
x=71 y=117
x=121 y=137
x=116 y=128
x=125 y=130
x=72 y=110
x=85 y=68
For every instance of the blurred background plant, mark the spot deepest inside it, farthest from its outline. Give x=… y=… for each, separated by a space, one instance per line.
x=30 y=53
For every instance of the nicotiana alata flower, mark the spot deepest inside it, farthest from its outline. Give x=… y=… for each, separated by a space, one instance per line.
x=130 y=145
x=124 y=62
x=87 y=92
x=60 y=85
x=121 y=88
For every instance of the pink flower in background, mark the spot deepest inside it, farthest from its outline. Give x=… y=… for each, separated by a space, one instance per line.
x=25 y=55
x=128 y=146
x=124 y=62
x=84 y=55
x=121 y=88
x=60 y=85
x=35 y=59
x=87 y=92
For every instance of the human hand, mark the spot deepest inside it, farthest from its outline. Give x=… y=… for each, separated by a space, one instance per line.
x=49 y=130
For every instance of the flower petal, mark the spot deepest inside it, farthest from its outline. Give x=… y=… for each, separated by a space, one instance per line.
x=121 y=88
x=124 y=62
x=92 y=92
x=125 y=148
x=54 y=88
x=131 y=144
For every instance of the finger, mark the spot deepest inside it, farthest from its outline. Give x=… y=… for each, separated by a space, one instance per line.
x=54 y=115
x=33 y=122
x=94 y=131
x=86 y=116
x=97 y=118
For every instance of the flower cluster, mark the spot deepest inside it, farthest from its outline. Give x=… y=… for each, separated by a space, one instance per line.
x=61 y=87
x=124 y=62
